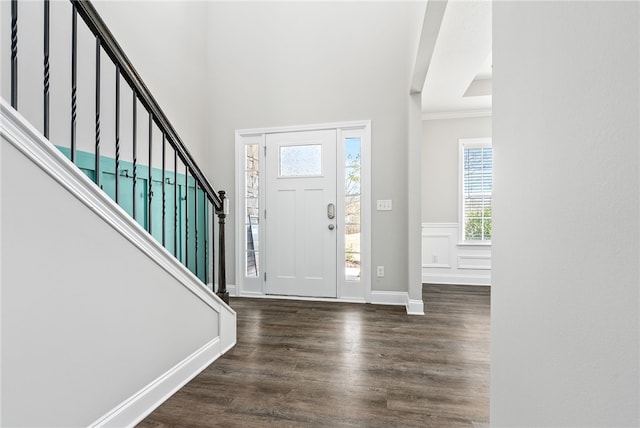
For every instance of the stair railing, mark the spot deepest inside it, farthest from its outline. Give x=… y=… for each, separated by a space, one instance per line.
x=180 y=239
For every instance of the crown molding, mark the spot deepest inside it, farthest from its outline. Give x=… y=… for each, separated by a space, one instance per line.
x=463 y=114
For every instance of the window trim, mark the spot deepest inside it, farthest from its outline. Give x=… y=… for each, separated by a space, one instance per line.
x=465 y=143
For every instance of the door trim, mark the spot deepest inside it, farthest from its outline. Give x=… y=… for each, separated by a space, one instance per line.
x=346 y=291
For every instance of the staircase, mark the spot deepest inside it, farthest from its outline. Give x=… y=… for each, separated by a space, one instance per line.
x=108 y=231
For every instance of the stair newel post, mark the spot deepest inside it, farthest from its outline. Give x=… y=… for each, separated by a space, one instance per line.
x=222 y=277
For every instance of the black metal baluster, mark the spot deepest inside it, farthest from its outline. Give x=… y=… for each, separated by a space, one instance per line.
x=105 y=42
x=175 y=202
x=135 y=152
x=149 y=200
x=195 y=222
x=46 y=69
x=117 y=134
x=186 y=216
x=97 y=158
x=164 y=194
x=74 y=78
x=14 y=54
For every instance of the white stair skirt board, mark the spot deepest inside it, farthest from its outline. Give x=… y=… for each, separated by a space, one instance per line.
x=25 y=138
x=398 y=298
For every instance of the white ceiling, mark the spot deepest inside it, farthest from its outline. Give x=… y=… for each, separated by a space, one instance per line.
x=461 y=62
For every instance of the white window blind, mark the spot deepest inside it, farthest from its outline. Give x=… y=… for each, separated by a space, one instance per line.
x=477 y=189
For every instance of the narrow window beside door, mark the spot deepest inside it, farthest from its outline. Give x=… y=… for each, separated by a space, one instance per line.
x=352 y=174
x=252 y=210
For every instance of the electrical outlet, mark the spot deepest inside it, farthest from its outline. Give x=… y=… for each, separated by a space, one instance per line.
x=380 y=271
x=434 y=259
x=384 y=205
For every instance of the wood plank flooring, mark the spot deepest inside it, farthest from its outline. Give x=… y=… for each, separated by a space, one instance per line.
x=338 y=364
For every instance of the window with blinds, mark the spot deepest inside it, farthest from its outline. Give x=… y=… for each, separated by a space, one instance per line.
x=477 y=187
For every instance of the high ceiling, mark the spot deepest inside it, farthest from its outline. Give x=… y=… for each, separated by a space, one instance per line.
x=458 y=81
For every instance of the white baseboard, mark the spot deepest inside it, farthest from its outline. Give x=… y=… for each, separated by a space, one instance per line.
x=398 y=298
x=231 y=288
x=455 y=279
x=415 y=307
x=137 y=407
x=250 y=294
x=257 y=295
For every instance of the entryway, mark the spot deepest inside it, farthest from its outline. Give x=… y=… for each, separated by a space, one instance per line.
x=303 y=212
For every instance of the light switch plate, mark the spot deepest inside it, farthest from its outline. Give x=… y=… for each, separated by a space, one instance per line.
x=384 y=205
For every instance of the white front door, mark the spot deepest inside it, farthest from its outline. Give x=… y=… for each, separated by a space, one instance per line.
x=300 y=201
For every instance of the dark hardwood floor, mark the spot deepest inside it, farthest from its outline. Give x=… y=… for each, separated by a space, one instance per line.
x=338 y=364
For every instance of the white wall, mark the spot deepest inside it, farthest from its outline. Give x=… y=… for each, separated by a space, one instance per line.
x=415 y=305
x=565 y=295
x=289 y=63
x=440 y=164
x=80 y=336
x=168 y=54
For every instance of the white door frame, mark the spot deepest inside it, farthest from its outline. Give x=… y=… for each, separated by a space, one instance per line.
x=351 y=291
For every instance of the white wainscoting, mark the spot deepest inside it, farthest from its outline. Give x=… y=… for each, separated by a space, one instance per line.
x=445 y=261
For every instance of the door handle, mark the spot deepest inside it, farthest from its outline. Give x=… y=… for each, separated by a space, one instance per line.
x=331 y=211
x=331 y=227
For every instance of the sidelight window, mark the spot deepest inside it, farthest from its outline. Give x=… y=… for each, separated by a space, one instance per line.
x=252 y=210
x=352 y=203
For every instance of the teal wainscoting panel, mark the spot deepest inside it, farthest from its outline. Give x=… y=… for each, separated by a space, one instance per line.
x=178 y=241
